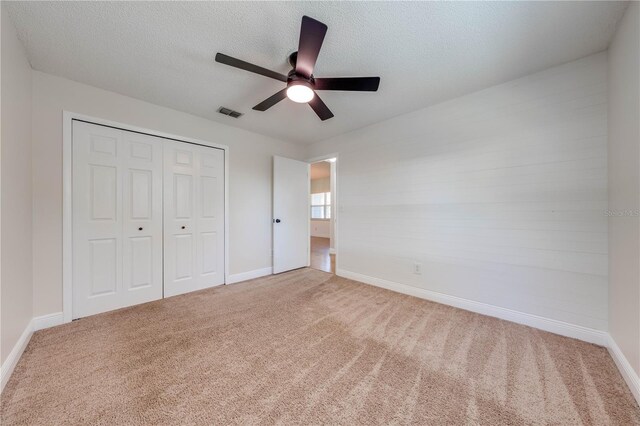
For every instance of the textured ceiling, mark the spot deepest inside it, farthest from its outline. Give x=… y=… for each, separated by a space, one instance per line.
x=424 y=52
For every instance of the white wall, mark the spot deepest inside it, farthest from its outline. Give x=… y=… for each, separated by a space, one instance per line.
x=624 y=186
x=499 y=195
x=250 y=169
x=320 y=228
x=16 y=289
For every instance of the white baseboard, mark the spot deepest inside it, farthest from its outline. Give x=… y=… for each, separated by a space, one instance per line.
x=244 y=276
x=46 y=321
x=37 y=323
x=554 y=326
x=627 y=371
x=10 y=363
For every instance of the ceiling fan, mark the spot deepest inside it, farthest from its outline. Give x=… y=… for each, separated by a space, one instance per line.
x=301 y=83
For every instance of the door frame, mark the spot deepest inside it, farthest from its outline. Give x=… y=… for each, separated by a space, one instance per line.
x=334 y=201
x=67 y=195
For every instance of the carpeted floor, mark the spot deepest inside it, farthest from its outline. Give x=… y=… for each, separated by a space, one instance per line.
x=307 y=347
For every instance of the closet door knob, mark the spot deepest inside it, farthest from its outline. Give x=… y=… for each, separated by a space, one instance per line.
x=183 y=227
x=140 y=229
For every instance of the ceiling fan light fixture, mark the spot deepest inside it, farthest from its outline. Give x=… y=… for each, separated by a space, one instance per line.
x=301 y=83
x=300 y=92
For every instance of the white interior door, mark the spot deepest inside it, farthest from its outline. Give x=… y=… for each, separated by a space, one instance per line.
x=193 y=217
x=117 y=219
x=290 y=214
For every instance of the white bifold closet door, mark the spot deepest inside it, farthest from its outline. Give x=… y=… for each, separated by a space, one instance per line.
x=117 y=218
x=148 y=218
x=193 y=217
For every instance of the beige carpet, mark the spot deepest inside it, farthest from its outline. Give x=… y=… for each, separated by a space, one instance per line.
x=306 y=347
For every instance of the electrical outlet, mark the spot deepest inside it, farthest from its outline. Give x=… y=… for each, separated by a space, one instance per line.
x=417 y=268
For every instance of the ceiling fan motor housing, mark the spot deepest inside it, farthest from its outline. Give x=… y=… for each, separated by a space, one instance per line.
x=296 y=79
x=292 y=59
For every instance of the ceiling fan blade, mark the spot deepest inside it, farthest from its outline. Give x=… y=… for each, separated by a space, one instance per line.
x=312 y=34
x=271 y=101
x=320 y=108
x=355 y=84
x=237 y=63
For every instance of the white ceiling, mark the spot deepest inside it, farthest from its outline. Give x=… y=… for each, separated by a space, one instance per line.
x=424 y=52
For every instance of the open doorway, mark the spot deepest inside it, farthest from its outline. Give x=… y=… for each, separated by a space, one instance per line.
x=322 y=215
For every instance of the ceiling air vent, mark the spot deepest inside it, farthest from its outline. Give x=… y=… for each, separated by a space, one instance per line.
x=229 y=112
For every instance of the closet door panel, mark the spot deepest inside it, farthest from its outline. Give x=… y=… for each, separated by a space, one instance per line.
x=210 y=215
x=141 y=263
x=179 y=223
x=103 y=267
x=194 y=217
x=117 y=219
x=97 y=219
x=142 y=218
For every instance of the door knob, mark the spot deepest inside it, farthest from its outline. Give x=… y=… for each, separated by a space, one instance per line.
x=183 y=227
x=140 y=229
x=277 y=221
